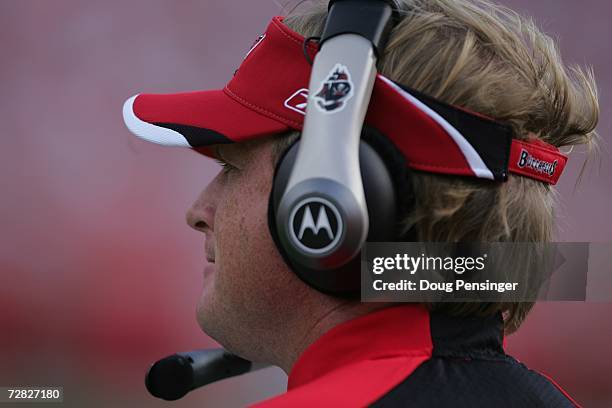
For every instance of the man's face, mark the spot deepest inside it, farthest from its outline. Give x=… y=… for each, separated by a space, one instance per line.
x=247 y=285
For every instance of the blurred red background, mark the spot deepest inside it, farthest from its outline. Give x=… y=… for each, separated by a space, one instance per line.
x=100 y=273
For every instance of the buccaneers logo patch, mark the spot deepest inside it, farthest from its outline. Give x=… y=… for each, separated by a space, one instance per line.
x=335 y=90
x=541 y=166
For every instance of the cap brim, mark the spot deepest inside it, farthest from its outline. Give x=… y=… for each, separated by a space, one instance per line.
x=195 y=119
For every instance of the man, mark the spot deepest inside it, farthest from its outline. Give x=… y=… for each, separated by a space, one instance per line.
x=337 y=351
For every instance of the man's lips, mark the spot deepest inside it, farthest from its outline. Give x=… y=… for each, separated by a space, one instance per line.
x=209 y=249
x=209 y=269
x=209 y=252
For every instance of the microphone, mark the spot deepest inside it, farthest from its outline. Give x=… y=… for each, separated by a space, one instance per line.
x=173 y=377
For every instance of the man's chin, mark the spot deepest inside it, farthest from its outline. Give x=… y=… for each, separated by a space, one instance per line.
x=205 y=311
x=204 y=308
x=210 y=314
x=211 y=321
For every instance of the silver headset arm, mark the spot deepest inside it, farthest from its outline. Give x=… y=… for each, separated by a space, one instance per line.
x=326 y=172
x=327 y=163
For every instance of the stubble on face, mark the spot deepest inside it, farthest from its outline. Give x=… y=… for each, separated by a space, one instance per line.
x=249 y=291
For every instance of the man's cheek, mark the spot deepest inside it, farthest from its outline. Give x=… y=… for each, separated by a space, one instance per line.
x=233 y=226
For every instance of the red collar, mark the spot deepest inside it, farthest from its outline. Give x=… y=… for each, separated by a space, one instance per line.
x=357 y=362
x=394 y=331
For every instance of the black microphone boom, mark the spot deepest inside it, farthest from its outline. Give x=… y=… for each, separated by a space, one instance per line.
x=173 y=377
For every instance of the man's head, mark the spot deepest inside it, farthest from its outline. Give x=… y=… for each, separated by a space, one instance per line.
x=471 y=54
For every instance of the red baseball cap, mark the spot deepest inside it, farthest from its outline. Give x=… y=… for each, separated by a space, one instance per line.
x=269 y=93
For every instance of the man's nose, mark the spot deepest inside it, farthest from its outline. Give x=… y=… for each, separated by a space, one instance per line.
x=201 y=215
x=200 y=218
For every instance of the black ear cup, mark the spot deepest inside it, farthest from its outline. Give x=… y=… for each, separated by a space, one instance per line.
x=383 y=174
x=399 y=171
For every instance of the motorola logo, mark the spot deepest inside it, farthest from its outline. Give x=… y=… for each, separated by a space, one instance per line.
x=315 y=225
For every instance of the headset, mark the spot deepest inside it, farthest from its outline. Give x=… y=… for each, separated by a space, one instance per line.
x=337 y=186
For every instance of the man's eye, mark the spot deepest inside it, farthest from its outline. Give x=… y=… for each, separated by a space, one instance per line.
x=226 y=166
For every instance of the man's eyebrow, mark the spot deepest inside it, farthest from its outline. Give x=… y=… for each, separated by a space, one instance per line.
x=225 y=157
x=217 y=150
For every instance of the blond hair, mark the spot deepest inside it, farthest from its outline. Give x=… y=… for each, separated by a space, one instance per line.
x=488 y=59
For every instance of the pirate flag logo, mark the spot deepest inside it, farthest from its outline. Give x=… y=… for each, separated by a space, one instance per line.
x=335 y=90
